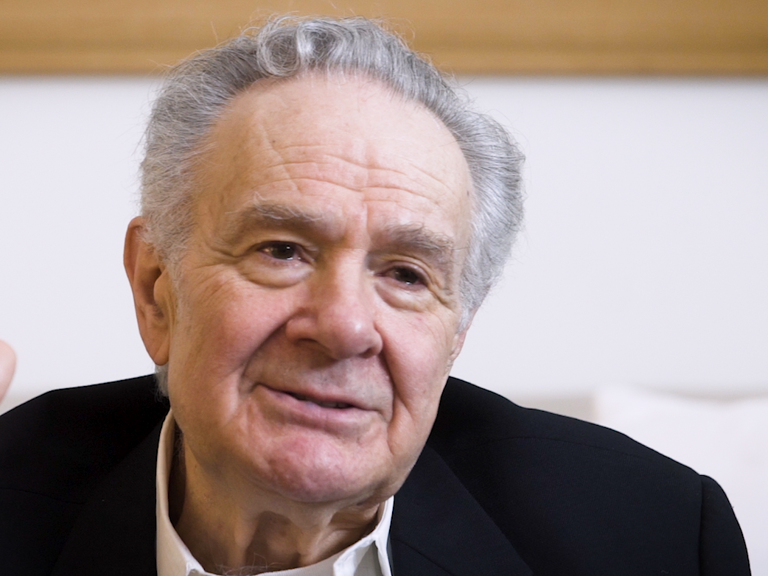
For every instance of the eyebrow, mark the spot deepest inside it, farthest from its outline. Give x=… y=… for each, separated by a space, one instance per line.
x=266 y=215
x=412 y=239
x=436 y=248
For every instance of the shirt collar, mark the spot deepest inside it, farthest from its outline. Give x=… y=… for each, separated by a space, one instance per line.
x=367 y=556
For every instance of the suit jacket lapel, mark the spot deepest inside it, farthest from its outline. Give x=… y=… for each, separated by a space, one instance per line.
x=438 y=528
x=115 y=532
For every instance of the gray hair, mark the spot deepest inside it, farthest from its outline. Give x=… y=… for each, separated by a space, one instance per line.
x=197 y=90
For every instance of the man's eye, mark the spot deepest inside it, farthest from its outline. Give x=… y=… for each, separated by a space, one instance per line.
x=407 y=276
x=280 y=250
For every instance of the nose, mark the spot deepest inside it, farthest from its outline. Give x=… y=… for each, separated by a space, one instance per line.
x=339 y=316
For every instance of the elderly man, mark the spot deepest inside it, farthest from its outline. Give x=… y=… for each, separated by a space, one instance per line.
x=322 y=216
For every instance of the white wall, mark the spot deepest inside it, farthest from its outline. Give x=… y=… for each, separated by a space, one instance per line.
x=69 y=153
x=644 y=259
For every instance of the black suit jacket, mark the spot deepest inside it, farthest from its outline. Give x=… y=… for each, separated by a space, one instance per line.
x=499 y=489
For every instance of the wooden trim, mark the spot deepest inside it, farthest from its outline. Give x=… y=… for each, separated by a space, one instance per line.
x=482 y=36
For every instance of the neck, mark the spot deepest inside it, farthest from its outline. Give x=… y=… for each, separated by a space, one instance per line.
x=231 y=529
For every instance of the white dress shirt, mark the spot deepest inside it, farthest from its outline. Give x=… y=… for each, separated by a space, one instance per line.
x=366 y=557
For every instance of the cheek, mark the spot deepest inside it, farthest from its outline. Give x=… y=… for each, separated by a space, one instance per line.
x=419 y=360
x=211 y=347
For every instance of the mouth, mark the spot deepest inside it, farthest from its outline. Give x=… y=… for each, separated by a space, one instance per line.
x=321 y=403
x=334 y=412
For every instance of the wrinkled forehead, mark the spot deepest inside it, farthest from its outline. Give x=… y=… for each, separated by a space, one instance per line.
x=348 y=131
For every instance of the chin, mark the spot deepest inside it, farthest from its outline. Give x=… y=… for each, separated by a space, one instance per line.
x=314 y=479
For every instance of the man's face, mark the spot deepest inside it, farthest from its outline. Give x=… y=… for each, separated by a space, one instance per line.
x=314 y=318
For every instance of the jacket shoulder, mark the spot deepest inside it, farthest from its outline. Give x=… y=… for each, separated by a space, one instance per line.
x=55 y=451
x=568 y=493
x=63 y=442
x=470 y=416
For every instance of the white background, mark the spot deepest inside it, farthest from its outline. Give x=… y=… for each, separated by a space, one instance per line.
x=644 y=259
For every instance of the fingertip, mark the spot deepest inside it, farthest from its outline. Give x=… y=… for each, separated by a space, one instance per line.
x=7 y=367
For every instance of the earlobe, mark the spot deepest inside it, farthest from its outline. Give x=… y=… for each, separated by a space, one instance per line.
x=152 y=291
x=458 y=344
x=458 y=339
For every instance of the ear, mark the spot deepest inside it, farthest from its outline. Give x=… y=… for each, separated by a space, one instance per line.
x=458 y=339
x=152 y=290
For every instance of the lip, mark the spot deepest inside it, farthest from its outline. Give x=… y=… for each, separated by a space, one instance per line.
x=331 y=412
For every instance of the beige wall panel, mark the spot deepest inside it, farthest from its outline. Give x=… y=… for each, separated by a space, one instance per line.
x=486 y=36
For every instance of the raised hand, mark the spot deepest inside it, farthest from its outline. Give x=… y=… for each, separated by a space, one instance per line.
x=7 y=367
